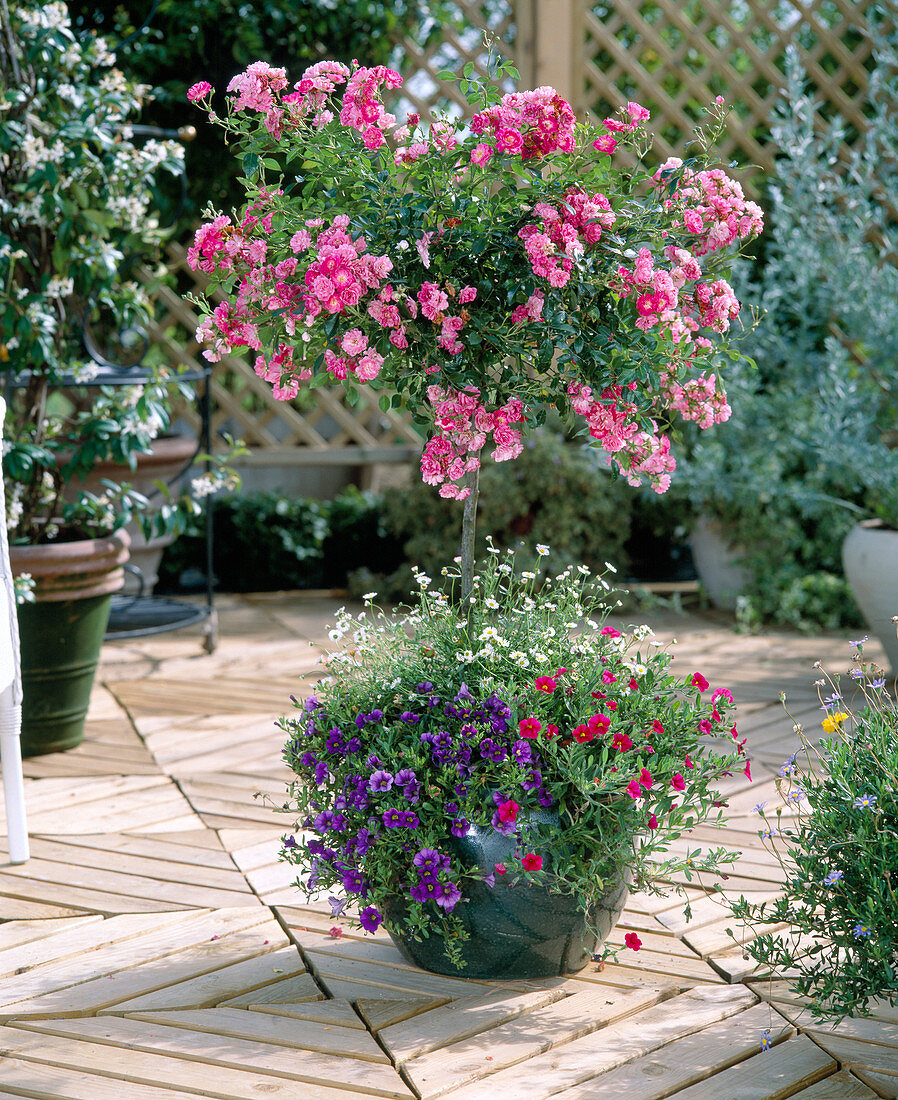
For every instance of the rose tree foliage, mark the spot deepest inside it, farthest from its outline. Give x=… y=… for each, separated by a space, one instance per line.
x=531 y=707
x=482 y=273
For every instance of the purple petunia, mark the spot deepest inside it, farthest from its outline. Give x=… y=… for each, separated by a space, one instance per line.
x=424 y=687
x=392 y=818
x=409 y=820
x=429 y=859
x=459 y=827
x=532 y=780
x=410 y=717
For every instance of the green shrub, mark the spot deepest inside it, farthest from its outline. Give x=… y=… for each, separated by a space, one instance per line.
x=265 y=541
x=557 y=493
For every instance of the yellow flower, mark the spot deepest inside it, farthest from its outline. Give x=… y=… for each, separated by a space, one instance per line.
x=834 y=721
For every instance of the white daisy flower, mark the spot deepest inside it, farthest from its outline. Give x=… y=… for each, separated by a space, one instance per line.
x=490 y=603
x=542 y=549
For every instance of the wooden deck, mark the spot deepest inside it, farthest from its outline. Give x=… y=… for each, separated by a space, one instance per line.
x=154 y=938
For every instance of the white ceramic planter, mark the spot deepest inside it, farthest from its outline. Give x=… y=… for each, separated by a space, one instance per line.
x=716 y=563
x=870 y=560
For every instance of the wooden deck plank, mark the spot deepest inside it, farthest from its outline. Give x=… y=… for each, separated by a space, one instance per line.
x=683 y=1062
x=769 y=1075
x=119 y=970
x=266 y=1028
x=233 y=980
x=840 y=1086
x=515 y=1069
x=460 y=1020
x=144 y=1069
x=289 y=1062
x=44 y=1082
x=153 y=863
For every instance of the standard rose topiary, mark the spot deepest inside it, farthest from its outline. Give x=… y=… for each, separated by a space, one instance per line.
x=481 y=274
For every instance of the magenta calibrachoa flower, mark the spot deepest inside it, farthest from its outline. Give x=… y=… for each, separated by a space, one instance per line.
x=483 y=274
x=393 y=772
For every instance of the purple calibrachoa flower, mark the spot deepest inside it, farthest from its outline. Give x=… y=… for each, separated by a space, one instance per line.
x=426 y=887
x=448 y=896
x=392 y=818
x=353 y=882
x=409 y=717
x=429 y=859
x=380 y=781
x=409 y=820
x=337 y=905
x=370 y=919
x=459 y=827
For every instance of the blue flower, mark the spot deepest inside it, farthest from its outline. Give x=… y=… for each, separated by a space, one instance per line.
x=765 y=1039
x=878 y=683
x=860 y=931
x=833 y=877
x=759 y=808
x=859 y=642
x=864 y=802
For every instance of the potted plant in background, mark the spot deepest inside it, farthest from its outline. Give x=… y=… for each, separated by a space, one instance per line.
x=835 y=834
x=478 y=276
x=76 y=206
x=809 y=453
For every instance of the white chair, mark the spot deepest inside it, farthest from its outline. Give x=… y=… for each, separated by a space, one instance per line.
x=10 y=696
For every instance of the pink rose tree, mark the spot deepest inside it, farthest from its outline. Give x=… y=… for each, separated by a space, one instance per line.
x=478 y=272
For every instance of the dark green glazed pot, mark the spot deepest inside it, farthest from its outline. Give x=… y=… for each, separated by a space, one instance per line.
x=61 y=634
x=60 y=651
x=516 y=929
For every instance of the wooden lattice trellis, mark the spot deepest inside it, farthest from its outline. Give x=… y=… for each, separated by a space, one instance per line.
x=674 y=56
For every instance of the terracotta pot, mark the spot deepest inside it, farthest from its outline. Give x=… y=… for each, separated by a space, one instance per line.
x=870 y=561
x=61 y=634
x=169 y=459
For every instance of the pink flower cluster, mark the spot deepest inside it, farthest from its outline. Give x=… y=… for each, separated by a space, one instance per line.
x=526 y=124
x=665 y=301
x=715 y=210
x=362 y=109
x=462 y=425
x=700 y=399
x=343 y=272
x=259 y=88
x=635 y=115
x=565 y=233
x=612 y=422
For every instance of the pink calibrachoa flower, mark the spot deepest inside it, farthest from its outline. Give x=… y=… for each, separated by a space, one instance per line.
x=699 y=681
x=678 y=782
x=634 y=790
x=621 y=742
x=530 y=727
x=500 y=868
x=508 y=811
x=652 y=822
x=645 y=778
x=632 y=941
x=532 y=862
x=545 y=683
